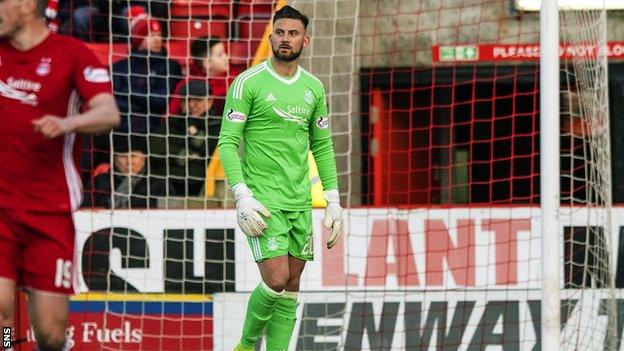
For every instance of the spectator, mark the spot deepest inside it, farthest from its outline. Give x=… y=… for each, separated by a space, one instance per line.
x=209 y=58
x=208 y=61
x=144 y=80
x=88 y=20
x=182 y=146
x=95 y=150
x=132 y=186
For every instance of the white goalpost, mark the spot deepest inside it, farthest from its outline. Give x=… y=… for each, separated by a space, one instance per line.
x=549 y=174
x=584 y=114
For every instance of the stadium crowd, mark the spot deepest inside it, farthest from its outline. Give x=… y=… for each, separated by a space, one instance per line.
x=170 y=107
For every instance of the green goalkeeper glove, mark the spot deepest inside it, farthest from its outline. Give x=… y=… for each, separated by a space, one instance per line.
x=248 y=211
x=333 y=217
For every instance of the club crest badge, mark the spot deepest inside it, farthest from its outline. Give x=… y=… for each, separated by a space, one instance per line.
x=308 y=97
x=272 y=244
x=44 y=67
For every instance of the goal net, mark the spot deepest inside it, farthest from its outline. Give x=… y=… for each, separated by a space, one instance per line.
x=435 y=117
x=588 y=275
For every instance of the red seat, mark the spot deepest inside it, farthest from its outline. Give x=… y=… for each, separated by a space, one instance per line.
x=255 y=8
x=239 y=53
x=178 y=49
x=235 y=70
x=193 y=28
x=192 y=9
x=252 y=29
x=250 y=32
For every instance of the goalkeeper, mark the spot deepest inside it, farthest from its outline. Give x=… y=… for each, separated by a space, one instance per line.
x=279 y=111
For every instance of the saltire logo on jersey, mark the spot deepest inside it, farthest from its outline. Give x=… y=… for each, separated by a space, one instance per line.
x=12 y=93
x=287 y=116
x=235 y=116
x=96 y=75
x=322 y=122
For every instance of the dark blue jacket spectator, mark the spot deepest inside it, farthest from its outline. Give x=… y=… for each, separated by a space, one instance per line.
x=144 y=81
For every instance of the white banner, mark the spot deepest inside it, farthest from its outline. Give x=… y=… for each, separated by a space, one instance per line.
x=394 y=320
x=382 y=249
x=145 y=237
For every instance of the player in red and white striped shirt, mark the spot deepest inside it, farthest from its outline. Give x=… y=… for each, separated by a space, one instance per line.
x=51 y=87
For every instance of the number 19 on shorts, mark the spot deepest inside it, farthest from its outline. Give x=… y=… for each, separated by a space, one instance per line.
x=63 y=275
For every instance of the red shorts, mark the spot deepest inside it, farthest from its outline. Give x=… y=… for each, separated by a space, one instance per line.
x=37 y=250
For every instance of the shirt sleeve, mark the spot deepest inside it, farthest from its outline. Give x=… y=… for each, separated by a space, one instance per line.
x=90 y=76
x=237 y=108
x=321 y=143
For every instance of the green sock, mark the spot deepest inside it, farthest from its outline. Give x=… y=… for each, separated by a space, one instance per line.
x=259 y=310
x=239 y=347
x=280 y=327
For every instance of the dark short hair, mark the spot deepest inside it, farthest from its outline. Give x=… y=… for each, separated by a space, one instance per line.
x=123 y=143
x=41 y=6
x=200 y=48
x=195 y=89
x=290 y=12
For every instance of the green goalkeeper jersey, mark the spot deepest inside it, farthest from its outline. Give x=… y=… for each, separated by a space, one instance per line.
x=280 y=119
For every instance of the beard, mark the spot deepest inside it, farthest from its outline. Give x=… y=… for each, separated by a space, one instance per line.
x=293 y=55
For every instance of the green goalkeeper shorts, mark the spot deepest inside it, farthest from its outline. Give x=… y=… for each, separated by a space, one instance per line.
x=288 y=232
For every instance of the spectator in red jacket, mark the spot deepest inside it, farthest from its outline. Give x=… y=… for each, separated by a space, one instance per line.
x=209 y=58
x=209 y=61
